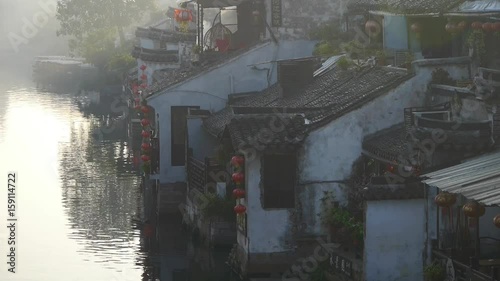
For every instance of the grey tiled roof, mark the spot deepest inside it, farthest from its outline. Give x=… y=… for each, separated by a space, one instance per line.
x=389 y=144
x=328 y=97
x=261 y=132
x=404 y=6
x=164 y=35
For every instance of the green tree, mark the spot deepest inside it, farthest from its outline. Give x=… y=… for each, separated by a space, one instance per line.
x=81 y=17
x=96 y=47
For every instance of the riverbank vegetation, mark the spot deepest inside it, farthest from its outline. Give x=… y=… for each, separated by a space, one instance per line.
x=96 y=31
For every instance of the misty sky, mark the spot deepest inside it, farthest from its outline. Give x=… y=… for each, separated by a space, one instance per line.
x=13 y=17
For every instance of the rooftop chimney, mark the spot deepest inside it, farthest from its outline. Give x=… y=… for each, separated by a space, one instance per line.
x=294 y=75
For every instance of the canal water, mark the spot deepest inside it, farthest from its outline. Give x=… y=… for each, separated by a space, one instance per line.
x=78 y=199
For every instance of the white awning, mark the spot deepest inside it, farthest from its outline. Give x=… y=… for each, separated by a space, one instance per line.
x=477 y=179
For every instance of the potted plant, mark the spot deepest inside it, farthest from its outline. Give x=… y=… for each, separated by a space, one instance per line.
x=358 y=233
x=434 y=272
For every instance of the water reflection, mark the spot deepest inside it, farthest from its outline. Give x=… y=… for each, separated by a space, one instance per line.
x=100 y=191
x=81 y=204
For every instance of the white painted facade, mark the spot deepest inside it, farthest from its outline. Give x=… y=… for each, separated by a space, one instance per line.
x=202 y=143
x=395 y=240
x=210 y=89
x=327 y=156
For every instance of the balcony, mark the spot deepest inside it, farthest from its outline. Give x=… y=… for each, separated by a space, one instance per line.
x=199 y=174
x=466 y=270
x=390 y=188
x=426 y=123
x=160 y=56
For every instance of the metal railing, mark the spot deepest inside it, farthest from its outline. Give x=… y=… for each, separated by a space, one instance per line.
x=462 y=271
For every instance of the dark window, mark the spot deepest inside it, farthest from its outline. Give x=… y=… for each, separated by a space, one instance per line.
x=179 y=134
x=279 y=180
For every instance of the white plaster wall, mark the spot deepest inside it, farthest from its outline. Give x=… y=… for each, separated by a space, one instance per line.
x=162 y=105
x=172 y=46
x=265 y=228
x=200 y=141
x=394 y=240
x=147 y=43
x=486 y=226
x=211 y=89
x=328 y=155
x=432 y=220
x=330 y=152
x=152 y=67
x=337 y=145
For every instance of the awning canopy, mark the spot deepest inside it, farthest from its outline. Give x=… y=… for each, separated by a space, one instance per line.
x=477 y=179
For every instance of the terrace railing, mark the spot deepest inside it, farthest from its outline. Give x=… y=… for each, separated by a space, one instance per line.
x=461 y=271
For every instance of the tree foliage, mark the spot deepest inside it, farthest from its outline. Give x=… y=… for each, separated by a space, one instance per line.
x=80 y=17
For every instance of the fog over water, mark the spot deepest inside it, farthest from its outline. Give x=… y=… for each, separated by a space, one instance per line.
x=18 y=21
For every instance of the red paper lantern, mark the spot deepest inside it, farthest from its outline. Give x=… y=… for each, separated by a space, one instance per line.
x=238 y=193
x=145 y=134
x=450 y=27
x=496 y=26
x=416 y=27
x=474 y=209
x=477 y=25
x=144 y=122
x=372 y=27
x=462 y=25
x=240 y=209
x=145 y=109
x=496 y=221
x=143 y=67
x=183 y=15
x=441 y=200
x=238 y=178
x=237 y=161
x=391 y=168
x=144 y=77
x=487 y=26
x=145 y=146
x=145 y=158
